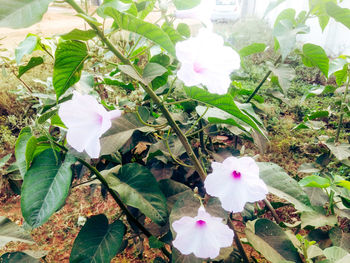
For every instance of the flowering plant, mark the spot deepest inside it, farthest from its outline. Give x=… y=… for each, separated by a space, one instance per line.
x=123 y=105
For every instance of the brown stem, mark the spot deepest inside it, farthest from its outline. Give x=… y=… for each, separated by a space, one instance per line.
x=273 y=211
x=237 y=240
x=343 y=101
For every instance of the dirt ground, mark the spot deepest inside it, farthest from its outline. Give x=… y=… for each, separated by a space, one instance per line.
x=57 y=20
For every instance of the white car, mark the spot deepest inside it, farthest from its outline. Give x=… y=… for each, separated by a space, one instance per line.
x=226 y=10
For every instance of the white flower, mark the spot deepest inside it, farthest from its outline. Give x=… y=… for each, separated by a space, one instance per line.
x=201 y=12
x=205 y=60
x=202 y=235
x=235 y=182
x=86 y=121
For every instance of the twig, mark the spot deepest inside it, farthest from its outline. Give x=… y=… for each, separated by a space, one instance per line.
x=343 y=101
x=237 y=240
x=273 y=211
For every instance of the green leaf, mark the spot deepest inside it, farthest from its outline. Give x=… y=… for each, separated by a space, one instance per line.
x=319 y=9
x=271 y=241
x=341 y=15
x=174 y=35
x=22 y=13
x=340 y=151
x=151 y=71
x=308 y=168
x=26 y=47
x=5 y=159
x=223 y=102
x=97 y=241
x=77 y=34
x=30 y=149
x=315 y=181
x=344 y=183
x=336 y=254
x=155 y=243
x=161 y=59
x=148 y=30
x=17 y=257
x=285 y=74
x=252 y=49
x=317 y=218
x=315 y=56
x=183 y=29
x=69 y=62
x=282 y=185
x=47 y=115
x=285 y=34
x=33 y=62
x=186 y=4
x=45 y=186
x=144 y=7
x=20 y=149
x=137 y=187
x=121 y=6
x=10 y=231
x=120 y=132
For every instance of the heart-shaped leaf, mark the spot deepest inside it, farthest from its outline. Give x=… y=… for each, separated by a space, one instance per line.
x=70 y=56
x=98 y=241
x=45 y=186
x=137 y=187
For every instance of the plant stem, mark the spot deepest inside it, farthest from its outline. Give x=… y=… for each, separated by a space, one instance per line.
x=273 y=211
x=150 y=92
x=196 y=122
x=263 y=80
x=120 y=202
x=343 y=101
x=237 y=240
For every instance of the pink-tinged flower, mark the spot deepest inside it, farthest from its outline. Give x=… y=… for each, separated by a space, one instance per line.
x=235 y=181
x=86 y=121
x=205 y=60
x=202 y=235
x=201 y=12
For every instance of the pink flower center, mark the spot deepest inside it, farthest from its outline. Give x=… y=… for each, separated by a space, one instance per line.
x=197 y=67
x=201 y=223
x=99 y=119
x=236 y=175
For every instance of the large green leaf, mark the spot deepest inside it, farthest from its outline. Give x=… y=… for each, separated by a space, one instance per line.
x=97 y=241
x=20 y=149
x=252 y=49
x=17 y=257
x=69 y=62
x=137 y=187
x=315 y=56
x=22 y=13
x=120 y=132
x=45 y=186
x=271 y=241
x=223 y=102
x=145 y=29
x=10 y=231
x=186 y=4
x=341 y=15
x=282 y=185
